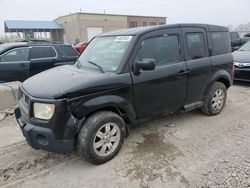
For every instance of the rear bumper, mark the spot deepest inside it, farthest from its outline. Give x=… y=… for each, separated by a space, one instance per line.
x=242 y=74
x=43 y=138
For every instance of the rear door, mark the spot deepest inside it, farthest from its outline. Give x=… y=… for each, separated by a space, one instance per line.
x=162 y=89
x=198 y=62
x=14 y=65
x=42 y=58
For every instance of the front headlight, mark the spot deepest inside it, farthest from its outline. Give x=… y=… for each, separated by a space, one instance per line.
x=238 y=64
x=43 y=111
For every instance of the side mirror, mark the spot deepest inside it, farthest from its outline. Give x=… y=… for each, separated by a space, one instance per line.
x=146 y=64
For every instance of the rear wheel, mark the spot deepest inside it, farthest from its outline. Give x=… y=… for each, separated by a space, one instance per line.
x=101 y=137
x=215 y=100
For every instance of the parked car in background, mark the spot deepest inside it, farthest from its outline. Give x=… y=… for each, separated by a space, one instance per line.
x=80 y=47
x=19 y=61
x=237 y=41
x=121 y=78
x=247 y=35
x=242 y=63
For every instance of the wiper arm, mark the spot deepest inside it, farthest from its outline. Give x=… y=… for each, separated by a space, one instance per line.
x=78 y=64
x=99 y=67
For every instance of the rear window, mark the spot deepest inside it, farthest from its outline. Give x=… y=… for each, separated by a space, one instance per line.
x=220 y=42
x=42 y=52
x=68 y=51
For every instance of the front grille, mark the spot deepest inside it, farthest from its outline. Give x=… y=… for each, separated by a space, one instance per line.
x=242 y=74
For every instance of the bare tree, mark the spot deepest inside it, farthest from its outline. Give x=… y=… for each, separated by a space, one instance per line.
x=230 y=27
x=243 y=27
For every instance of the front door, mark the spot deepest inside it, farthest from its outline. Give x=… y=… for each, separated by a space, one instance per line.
x=14 y=65
x=162 y=89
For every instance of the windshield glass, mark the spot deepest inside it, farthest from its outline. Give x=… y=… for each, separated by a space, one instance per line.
x=105 y=52
x=245 y=47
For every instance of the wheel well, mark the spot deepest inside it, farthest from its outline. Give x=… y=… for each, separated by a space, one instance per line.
x=225 y=81
x=116 y=110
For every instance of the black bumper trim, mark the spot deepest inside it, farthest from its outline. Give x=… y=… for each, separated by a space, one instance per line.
x=43 y=138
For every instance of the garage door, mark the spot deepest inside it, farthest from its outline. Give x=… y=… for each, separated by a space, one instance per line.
x=93 y=31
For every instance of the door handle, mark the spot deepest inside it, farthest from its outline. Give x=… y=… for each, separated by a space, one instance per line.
x=183 y=73
x=22 y=65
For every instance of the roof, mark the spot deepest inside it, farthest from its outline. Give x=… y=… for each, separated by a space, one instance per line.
x=5 y=47
x=142 y=30
x=104 y=14
x=18 y=25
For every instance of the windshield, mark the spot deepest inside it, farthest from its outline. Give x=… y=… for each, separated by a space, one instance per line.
x=245 y=47
x=105 y=53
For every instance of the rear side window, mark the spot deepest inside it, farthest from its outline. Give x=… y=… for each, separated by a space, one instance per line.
x=234 y=35
x=68 y=51
x=195 y=45
x=164 y=50
x=42 y=52
x=220 y=42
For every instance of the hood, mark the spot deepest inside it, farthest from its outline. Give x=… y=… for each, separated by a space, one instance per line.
x=69 y=81
x=241 y=56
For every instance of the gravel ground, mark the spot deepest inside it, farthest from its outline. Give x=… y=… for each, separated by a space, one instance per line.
x=180 y=150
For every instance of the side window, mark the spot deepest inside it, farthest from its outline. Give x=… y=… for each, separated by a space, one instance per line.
x=195 y=45
x=20 y=54
x=164 y=50
x=234 y=35
x=68 y=51
x=132 y=24
x=42 y=52
x=220 y=42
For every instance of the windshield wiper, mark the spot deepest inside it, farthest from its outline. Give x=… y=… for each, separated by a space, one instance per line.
x=99 y=67
x=78 y=64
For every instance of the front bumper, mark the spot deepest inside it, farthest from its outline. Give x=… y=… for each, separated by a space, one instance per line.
x=242 y=74
x=44 y=138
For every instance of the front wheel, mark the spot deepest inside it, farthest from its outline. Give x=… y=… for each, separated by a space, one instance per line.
x=215 y=100
x=101 y=137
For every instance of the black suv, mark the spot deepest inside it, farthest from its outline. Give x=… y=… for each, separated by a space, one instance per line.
x=19 y=61
x=121 y=78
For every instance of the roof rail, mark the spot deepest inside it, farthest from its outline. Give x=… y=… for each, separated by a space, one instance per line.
x=38 y=41
x=43 y=41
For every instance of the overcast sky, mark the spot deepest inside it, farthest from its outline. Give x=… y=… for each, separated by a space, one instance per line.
x=222 y=12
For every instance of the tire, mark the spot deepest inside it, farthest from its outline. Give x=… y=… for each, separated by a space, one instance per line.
x=215 y=99
x=101 y=137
